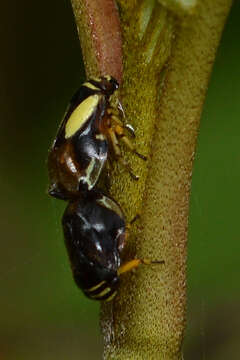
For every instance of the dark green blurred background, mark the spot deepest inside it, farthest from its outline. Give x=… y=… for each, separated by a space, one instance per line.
x=43 y=316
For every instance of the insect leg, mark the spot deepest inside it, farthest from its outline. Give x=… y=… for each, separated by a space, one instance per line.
x=133 y=264
x=116 y=149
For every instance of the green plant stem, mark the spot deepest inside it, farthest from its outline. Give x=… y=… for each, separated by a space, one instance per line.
x=167 y=66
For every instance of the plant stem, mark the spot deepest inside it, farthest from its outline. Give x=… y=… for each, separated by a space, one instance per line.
x=167 y=66
x=100 y=36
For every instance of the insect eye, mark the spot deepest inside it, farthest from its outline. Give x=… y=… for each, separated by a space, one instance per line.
x=115 y=83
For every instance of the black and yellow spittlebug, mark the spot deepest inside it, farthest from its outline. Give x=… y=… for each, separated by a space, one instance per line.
x=80 y=150
x=95 y=233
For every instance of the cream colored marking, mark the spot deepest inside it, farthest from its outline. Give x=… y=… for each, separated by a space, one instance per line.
x=112 y=296
x=71 y=165
x=80 y=115
x=96 y=286
x=89 y=170
x=101 y=294
x=93 y=171
x=107 y=77
x=96 y=79
x=109 y=204
x=91 y=86
x=100 y=137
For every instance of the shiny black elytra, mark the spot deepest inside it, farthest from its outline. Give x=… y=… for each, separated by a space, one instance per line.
x=94 y=230
x=95 y=233
x=80 y=149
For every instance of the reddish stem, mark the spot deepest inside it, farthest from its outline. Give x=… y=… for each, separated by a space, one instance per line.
x=99 y=25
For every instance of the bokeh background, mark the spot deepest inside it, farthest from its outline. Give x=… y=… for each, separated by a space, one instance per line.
x=43 y=316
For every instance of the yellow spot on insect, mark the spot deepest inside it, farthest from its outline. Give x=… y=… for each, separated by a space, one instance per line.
x=107 y=77
x=110 y=298
x=109 y=204
x=100 y=137
x=80 y=115
x=95 y=287
x=90 y=86
x=101 y=294
x=96 y=79
x=90 y=171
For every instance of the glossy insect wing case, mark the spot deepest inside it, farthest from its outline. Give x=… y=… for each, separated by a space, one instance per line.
x=80 y=149
x=94 y=230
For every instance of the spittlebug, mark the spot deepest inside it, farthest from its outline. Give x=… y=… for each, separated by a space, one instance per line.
x=80 y=149
x=95 y=232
